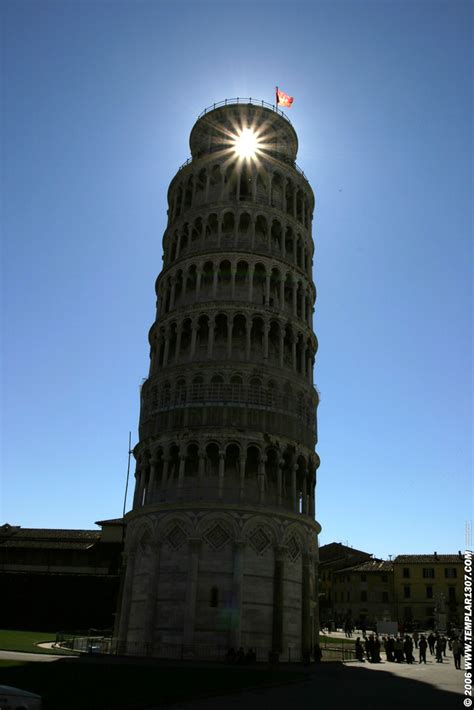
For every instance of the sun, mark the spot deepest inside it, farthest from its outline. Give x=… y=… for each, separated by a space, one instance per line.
x=246 y=143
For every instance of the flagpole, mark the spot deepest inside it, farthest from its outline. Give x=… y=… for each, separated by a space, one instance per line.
x=276 y=96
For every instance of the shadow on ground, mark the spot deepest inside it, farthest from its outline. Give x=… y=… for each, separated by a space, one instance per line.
x=121 y=684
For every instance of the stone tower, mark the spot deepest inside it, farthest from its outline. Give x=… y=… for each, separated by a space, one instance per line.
x=221 y=543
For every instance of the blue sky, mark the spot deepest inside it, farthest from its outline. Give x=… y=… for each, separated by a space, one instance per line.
x=98 y=102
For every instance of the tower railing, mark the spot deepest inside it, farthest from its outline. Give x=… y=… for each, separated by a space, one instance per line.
x=239 y=100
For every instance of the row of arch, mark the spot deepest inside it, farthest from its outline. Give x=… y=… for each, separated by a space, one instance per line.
x=244 y=230
x=233 y=389
x=235 y=337
x=241 y=182
x=230 y=471
x=255 y=282
x=150 y=532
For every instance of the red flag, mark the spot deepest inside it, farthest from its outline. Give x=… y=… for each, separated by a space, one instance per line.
x=283 y=99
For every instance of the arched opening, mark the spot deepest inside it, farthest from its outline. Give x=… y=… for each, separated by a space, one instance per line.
x=274 y=343
x=186 y=334
x=191 y=280
x=276 y=236
x=277 y=191
x=215 y=182
x=239 y=340
x=188 y=195
x=224 y=280
x=271 y=476
x=212 y=461
x=241 y=280
x=299 y=206
x=207 y=280
x=228 y=226
x=251 y=473
x=192 y=461
x=196 y=231
x=220 y=336
x=201 y=186
x=261 y=231
x=290 y=197
x=202 y=337
x=257 y=338
x=289 y=243
x=212 y=228
x=245 y=183
x=231 y=470
x=244 y=227
x=275 y=279
x=259 y=284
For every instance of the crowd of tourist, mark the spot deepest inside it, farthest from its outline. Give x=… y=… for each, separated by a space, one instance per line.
x=408 y=648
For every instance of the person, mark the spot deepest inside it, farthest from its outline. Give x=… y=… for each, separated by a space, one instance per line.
x=422 y=646
x=408 y=649
x=317 y=653
x=415 y=638
x=431 y=642
x=230 y=655
x=370 y=648
x=456 y=648
x=240 y=658
x=376 y=650
x=439 y=650
x=398 y=648
x=443 y=645
x=359 y=651
x=251 y=656
x=390 y=649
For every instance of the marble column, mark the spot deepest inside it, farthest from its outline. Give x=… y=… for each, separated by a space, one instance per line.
x=236 y=606
x=191 y=590
x=305 y=608
x=278 y=598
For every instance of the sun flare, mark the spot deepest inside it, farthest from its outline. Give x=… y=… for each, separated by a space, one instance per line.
x=246 y=144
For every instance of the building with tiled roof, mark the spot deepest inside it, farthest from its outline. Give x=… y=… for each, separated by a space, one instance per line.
x=333 y=557
x=363 y=593
x=59 y=579
x=429 y=589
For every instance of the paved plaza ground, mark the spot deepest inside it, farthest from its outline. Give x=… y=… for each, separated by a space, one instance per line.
x=355 y=685
x=331 y=685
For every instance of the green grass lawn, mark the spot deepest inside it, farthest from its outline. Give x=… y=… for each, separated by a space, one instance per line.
x=26 y=640
x=99 y=685
x=333 y=640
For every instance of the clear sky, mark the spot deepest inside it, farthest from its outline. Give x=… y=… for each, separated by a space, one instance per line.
x=98 y=102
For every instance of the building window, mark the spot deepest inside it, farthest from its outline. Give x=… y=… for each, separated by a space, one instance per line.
x=406 y=592
x=348 y=596
x=429 y=592
x=384 y=578
x=450 y=572
x=452 y=594
x=385 y=596
x=428 y=573
x=363 y=596
x=406 y=573
x=363 y=578
x=429 y=611
x=214 y=597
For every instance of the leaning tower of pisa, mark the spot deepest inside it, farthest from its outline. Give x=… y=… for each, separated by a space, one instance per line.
x=221 y=542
